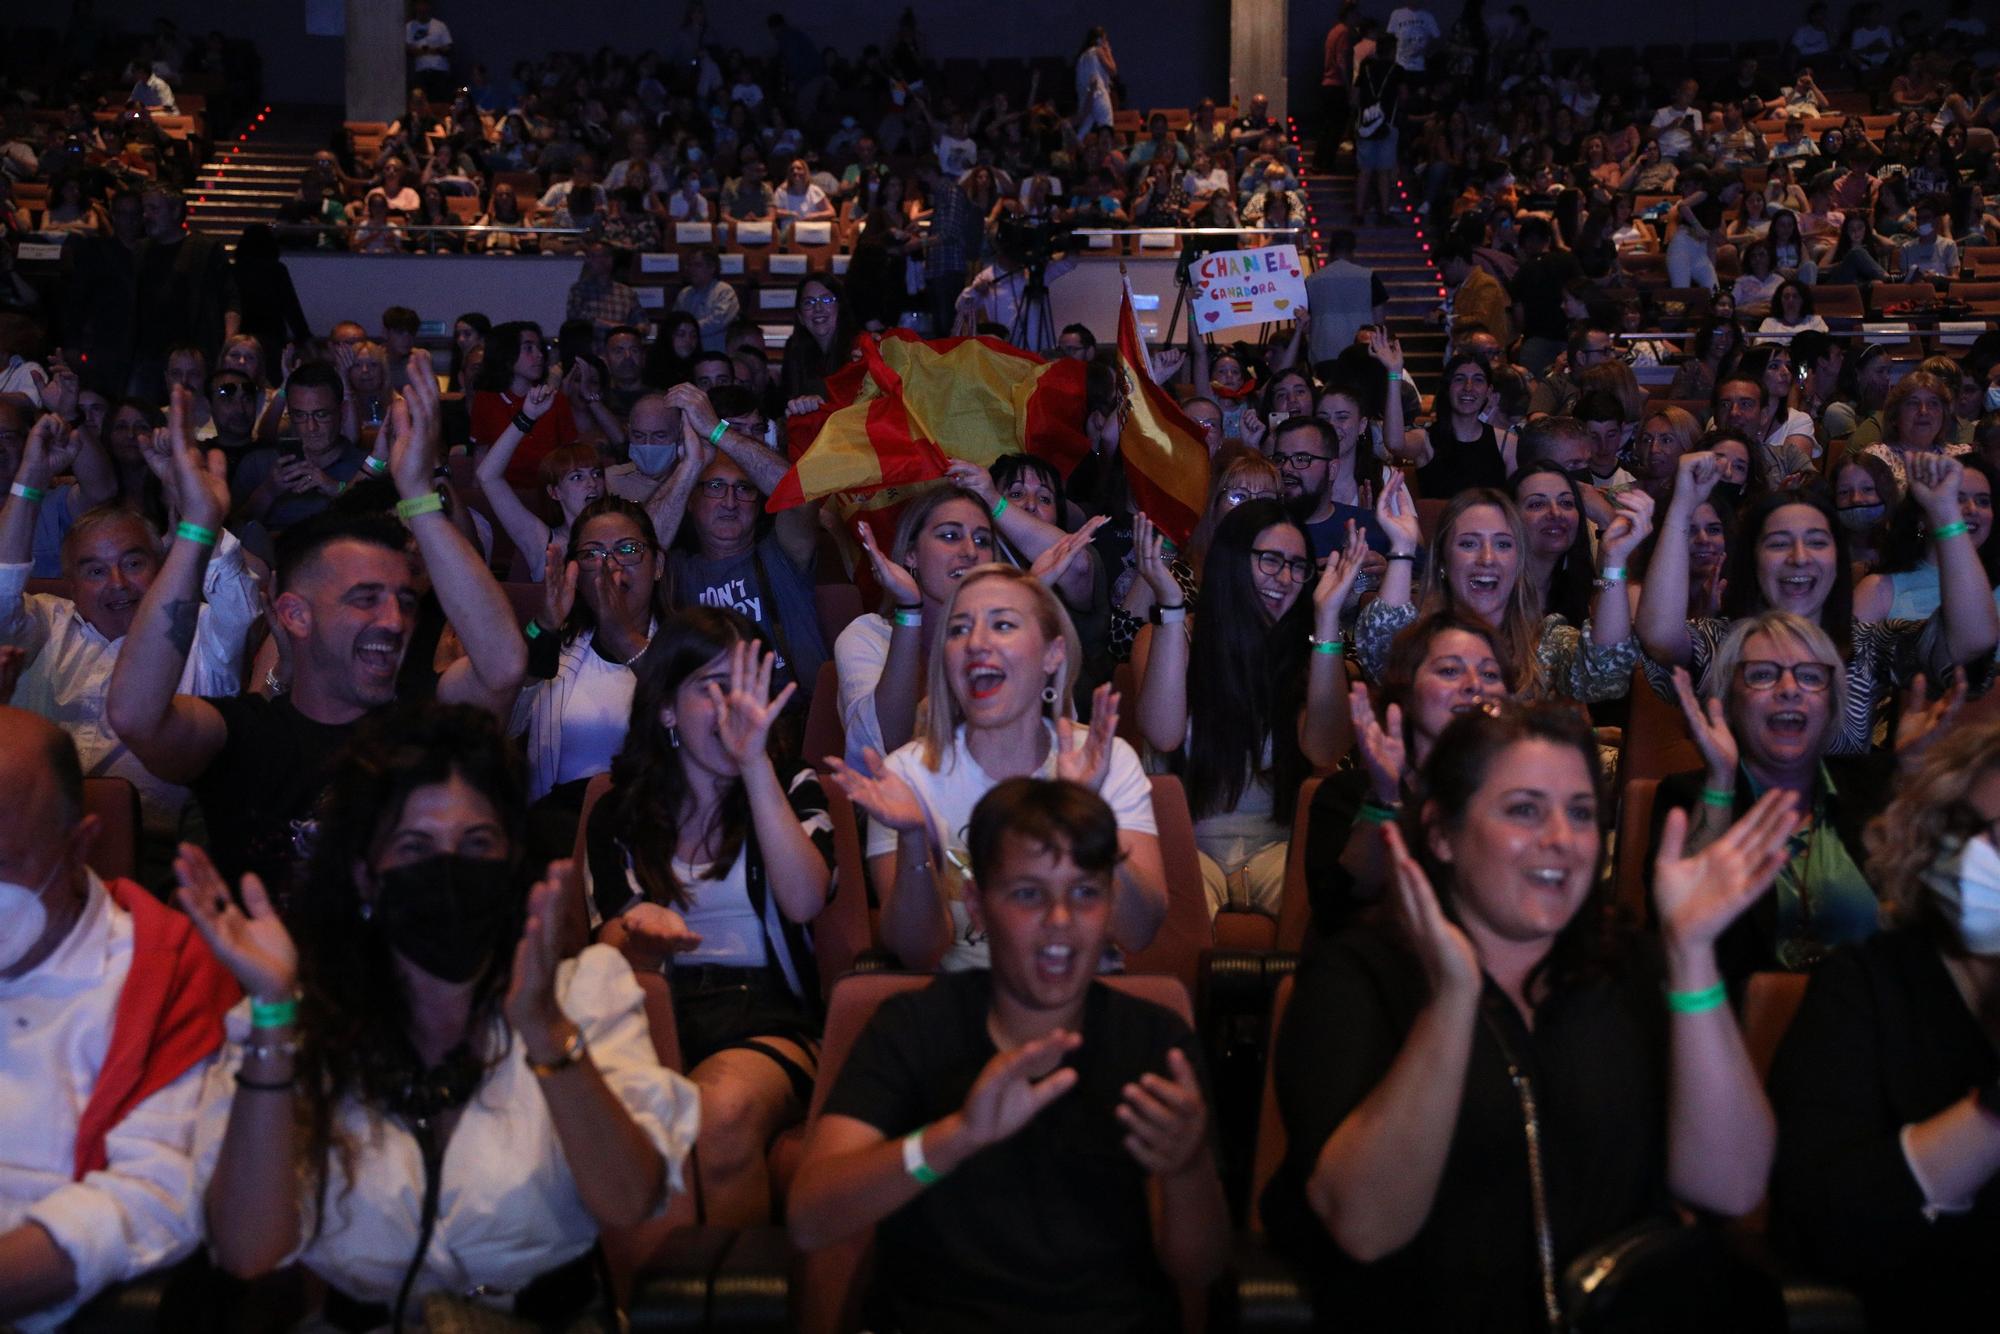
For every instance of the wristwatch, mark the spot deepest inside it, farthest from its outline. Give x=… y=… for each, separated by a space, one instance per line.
x=571 y=1053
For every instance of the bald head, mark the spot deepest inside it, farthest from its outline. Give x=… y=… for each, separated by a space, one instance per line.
x=40 y=772
x=44 y=837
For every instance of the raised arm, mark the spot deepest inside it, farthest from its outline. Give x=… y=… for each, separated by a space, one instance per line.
x=1161 y=660
x=1396 y=514
x=764 y=466
x=496 y=657
x=529 y=533
x=1611 y=607
x=1971 y=628
x=1663 y=601
x=797 y=873
x=175 y=736
x=1325 y=729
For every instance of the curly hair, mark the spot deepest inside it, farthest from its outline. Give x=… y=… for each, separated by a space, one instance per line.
x=1930 y=806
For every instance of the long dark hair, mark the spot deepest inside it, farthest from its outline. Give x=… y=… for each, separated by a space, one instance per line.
x=1459 y=762
x=503 y=349
x=1744 y=595
x=649 y=785
x=581 y=618
x=1573 y=582
x=354 y=1015
x=1245 y=678
x=806 y=364
x=1908 y=530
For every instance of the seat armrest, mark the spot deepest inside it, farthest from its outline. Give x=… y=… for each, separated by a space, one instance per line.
x=1262 y=1293
x=674 y=1289
x=753 y=1285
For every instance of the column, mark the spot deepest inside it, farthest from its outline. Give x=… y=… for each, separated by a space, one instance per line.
x=377 y=72
x=1258 y=38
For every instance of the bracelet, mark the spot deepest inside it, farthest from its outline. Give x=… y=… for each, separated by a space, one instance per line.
x=195 y=533
x=1716 y=797
x=272 y=685
x=999 y=507
x=913 y=1158
x=264 y=1051
x=1957 y=529
x=1333 y=648
x=26 y=492
x=1162 y=614
x=533 y=630
x=260 y=1086
x=907 y=618
x=1402 y=555
x=1395 y=376
x=524 y=423
x=274 y=1014
x=571 y=1053
x=1376 y=813
x=1612 y=574
x=1697 y=1002
x=428 y=503
x=376 y=467
x=715 y=436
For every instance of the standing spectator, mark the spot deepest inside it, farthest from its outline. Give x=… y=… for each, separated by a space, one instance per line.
x=1342 y=296
x=1096 y=70
x=517 y=359
x=270 y=312
x=1378 y=96
x=99 y=291
x=1336 y=83
x=1538 y=295
x=185 y=295
x=1414 y=29
x=957 y=227
x=428 y=42
x=598 y=297
x=1477 y=304
x=712 y=302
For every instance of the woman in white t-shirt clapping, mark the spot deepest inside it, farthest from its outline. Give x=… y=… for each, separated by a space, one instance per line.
x=999 y=706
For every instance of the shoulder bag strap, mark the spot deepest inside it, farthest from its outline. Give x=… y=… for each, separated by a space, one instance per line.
x=1538 y=1195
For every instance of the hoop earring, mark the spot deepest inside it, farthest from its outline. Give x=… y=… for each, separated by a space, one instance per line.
x=1049 y=693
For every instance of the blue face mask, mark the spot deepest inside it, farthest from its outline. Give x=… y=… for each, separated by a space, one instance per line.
x=653 y=460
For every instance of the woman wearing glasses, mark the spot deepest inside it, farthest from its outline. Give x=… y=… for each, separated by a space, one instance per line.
x=1791 y=555
x=600 y=606
x=572 y=475
x=1253 y=701
x=1771 y=708
x=822 y=339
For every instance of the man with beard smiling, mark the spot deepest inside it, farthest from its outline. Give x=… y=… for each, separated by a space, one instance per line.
x=346 y=605
x=111 y=556
x=1307 y=452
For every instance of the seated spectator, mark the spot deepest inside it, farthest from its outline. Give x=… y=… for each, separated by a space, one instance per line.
x=503 y=221
x=1004 y=1130
x=1863 y=388
x=1249 y=711
x=707 y=865
x=1918 y=416
x=749 y=198
x=345 y=603
x=1475 y=570
x=517 y=359
x=1657 y=446
x=1856 y=254
x=1883 y=1086
x=712 y=302
x=572 y=476
x=115 y=1016
x=1558 y=556
x=287 y=483
x=1863 y=486
x=1000 y=706
x=1791 y=312
x=1459 y=449
x=822 y=339
x=800 y=200
x=1930 y=253
x=1906 y=584
x=1718 y=346
x=1783 y=435
x=582 y=181
x=1383 y=1110
x=598 y=297
x=376 y=232
x=728 y=556
x=1757 y=282
x=422 y=977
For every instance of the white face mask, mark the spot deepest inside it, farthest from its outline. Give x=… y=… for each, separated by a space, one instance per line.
x=23 y=917
x=1925 y=229
x=653 y=460
x=1993 y=398
x=1965 y=881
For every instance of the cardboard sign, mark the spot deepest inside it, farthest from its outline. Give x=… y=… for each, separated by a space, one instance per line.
x=1247 y=286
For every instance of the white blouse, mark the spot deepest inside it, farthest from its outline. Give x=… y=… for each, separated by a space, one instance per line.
x=508 y=1208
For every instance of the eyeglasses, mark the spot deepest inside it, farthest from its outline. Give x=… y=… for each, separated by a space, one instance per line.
x=318 y=416
x=1299 y=462
x=715 y=488
x=626 y=554
x=1236 y=495
x=1811 y=677
x=1273 y=562
x=814 y=302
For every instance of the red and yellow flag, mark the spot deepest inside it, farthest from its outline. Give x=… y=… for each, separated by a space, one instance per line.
x=1166 y=458
x=893 y=418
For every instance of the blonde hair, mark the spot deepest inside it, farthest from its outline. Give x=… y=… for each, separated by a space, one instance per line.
x=1518 y=636
x=942 y=713
x=917 y=513
x=1233 y=465
x=1892 y=408
x=1931 y=805
x=1686 y=430
x=1791 y=630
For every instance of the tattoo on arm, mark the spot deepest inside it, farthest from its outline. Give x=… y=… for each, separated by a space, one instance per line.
x=182 y=615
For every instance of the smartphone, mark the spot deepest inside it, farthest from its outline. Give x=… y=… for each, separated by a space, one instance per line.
x=291 y=447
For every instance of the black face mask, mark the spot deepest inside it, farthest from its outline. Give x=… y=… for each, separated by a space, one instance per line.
x=1730 y=493
x=449 y=914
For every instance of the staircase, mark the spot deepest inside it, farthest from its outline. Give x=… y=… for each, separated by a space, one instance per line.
x=1399 y=255
x=250 y=177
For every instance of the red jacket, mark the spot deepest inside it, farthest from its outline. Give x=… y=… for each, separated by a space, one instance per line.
x=169 y=1017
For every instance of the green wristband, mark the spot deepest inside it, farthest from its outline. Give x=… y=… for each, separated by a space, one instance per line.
x=533 y=630
x=1378 y=814
x=1950 y=530
x=31 y=494
x=715 y=436
x=1697 y=1002
x=428 y=503
x=274 y=1014
x=1333 y=648
x=376 y=467
x=194 y=532
x=1718 y=798
x=999 y=507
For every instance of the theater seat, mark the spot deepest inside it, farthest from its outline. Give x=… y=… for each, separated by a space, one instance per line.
x=115 y=803
x=1264 y=1292
x=1186 y=932
x=824 y=734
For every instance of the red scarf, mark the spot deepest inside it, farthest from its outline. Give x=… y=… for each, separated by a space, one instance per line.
x=1245 y=390
x=169 y=1018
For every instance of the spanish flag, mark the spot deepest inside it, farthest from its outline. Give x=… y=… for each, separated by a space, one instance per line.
x=893 y=418
x=1166 y=459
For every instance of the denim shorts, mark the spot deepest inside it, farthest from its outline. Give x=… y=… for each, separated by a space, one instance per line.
x=1377 y=154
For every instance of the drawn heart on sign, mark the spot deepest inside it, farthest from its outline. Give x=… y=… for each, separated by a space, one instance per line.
x=1295 y=273
x=1281 y=303
x=1213 y=316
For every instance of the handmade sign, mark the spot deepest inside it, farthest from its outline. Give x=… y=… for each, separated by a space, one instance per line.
x=1247 y=286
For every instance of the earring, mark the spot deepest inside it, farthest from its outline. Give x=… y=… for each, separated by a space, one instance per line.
x=1049 y=693
x=673 y=736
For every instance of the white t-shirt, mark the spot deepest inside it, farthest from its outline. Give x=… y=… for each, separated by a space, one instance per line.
x=574 y=722
x=949 y=793
x=812 y=201
x=858 y=655
x=434 y=36
x=720 y=913
x=1676 y=127
x=1808 y=40
x=956 y=156
x=1415 y=30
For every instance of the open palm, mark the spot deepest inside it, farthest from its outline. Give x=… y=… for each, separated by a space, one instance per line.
x=251 y=941
x=1698 y=897
x=744 y=714
x=887 y=797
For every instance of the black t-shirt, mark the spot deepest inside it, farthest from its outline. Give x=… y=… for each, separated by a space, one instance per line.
x=1597 y=1058
x=1538 y=286
x=259 y=794
x=1048 y=1230
x=1458 y=464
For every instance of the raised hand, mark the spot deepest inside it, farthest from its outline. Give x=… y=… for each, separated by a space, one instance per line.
x=1396 y=512
x=1380 y=744
x=251 y=941
x=1254 y=430
x=1450 y=962
x=1016 y=1085
x=1698 y=897
x=1336 y=578
x=1165 y=1118
x=1055 y=560
x=896 y=580
x=1708 y=722
x=1628 y=528
x=540 y=399
x=969 y=475
x=1149 y=555
x=1167 y=363
x=695 y=408
x=1089 y=763
x=41 y=452
x=1387 y=349
x=1695 y=477
x=805 y=405
x=201 y=481
x=413 y=454
x=744 y=715
x=1924 y=720
x=654 y=934
x=558 y=586
x=887 y=797
x=1934 y=480
x=531 y=1007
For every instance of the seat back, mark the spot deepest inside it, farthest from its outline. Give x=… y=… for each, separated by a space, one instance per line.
x=832 y=1280
x=838 y=605
x=1657 y=741
x=1270 y=1150
x=115 y=803
x=1770 y=1003
x=825 y=734
x=1186 y=932
x=1635 y=837
x=1295 y=909
x=844 y=929
x=1125 y=680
